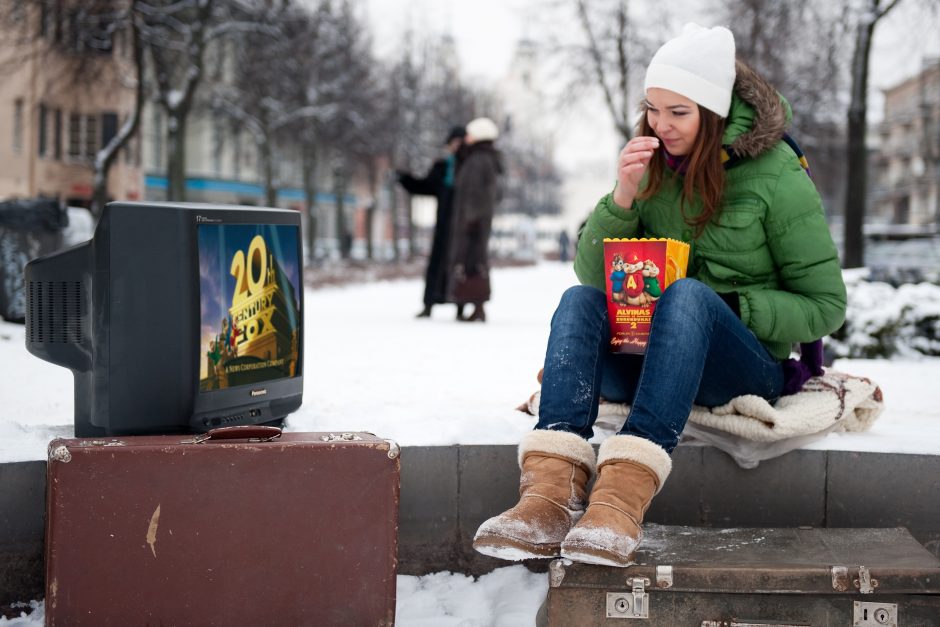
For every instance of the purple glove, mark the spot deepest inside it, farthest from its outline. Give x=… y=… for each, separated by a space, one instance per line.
x=797 y=373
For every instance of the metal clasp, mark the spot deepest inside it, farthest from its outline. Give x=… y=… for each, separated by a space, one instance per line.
x=640 y=600
x=634 y=604
x=865 y=583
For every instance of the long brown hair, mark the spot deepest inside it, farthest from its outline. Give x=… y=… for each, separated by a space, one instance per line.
x=705 y=174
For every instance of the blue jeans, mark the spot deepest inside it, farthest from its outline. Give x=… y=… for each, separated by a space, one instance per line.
x=699 y=352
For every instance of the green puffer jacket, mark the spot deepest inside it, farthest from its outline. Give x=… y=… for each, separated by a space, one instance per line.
x=769 y=242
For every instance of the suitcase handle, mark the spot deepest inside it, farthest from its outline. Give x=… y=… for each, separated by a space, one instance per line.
x=244 y=432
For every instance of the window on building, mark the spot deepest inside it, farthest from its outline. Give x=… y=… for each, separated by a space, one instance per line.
x=237 y=153
x=18 y=126
x=218 y=140
x=103 y=38
x=94 y=31
x=109 y=127
x=85 y=30
x=57 y=135
x=50 y=15
x=75 y=135
x=249 y=155
x=119 y=39
x=43 y=125
x=18 y=13
x=58 y=17
x=91 y=136
x=45 y=15
x=157 y=146
x=73 y=31
x=130 y=149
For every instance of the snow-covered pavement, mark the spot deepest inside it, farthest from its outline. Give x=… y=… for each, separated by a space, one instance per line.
x=370 y=365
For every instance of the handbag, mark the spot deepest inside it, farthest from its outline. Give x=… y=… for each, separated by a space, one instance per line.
x=471 y=289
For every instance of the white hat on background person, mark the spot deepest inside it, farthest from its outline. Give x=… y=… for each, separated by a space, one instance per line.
x=482 y=129
x=698 y=64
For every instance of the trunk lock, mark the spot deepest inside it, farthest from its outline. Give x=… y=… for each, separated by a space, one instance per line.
x=633 y=604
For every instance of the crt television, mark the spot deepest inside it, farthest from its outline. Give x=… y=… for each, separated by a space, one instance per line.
x=175 y=318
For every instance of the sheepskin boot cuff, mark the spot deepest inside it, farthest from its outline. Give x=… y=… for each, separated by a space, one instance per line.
x=638 y=450
x=561 y=444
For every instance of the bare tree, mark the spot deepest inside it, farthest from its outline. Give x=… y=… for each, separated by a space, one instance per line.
x=327 y=101
x=611 y=71
x=178 y=34
x=856 y=151
x=309 y=69
x=812 y=78
x=261 y=96
x=604 y=54
x=106 y=157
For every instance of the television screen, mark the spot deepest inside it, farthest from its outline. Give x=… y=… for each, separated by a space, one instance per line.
x=248 y=281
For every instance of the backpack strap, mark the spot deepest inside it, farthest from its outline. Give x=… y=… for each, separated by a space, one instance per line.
x=729 y=158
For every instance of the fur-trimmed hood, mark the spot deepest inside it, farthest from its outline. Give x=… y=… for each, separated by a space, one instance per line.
x=759 y=115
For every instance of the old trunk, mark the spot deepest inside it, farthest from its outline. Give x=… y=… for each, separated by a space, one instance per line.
x=262 y=529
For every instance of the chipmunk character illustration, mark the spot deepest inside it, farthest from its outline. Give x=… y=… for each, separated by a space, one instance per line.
x=633 y=285
x=651 y=289
x=617 y=277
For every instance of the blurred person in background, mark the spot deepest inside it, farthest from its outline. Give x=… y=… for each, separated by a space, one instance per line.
x=564 y=244
x=476 y=191
x=438 y=182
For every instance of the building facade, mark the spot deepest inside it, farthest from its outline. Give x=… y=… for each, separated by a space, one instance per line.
x=908 y=186
x=52 y=123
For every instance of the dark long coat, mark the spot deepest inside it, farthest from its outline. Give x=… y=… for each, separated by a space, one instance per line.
x=434 y=184
x=476 y=192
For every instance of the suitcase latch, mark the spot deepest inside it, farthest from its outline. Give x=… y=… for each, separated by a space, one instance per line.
x=633 y=604
x=865 y=583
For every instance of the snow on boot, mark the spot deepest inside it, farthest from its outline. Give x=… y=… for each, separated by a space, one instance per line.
x=630 y=471
x=556 y=467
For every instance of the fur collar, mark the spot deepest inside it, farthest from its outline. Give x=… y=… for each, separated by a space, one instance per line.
x=771 y=114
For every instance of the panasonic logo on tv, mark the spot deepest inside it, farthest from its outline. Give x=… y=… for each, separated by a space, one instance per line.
x=260 y=392
x=204 y=219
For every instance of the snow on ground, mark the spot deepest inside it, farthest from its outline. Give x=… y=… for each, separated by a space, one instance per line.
x=370 y=365
x=506 y=597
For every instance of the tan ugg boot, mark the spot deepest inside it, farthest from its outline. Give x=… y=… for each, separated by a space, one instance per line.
x=556 y=467
x=630 y=471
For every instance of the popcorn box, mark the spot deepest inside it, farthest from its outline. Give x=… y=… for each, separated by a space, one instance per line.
x=638 y=272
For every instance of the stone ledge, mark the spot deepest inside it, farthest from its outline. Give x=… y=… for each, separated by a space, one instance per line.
x=447 y=491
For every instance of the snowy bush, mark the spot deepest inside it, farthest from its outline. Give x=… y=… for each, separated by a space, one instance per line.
x=884 y=321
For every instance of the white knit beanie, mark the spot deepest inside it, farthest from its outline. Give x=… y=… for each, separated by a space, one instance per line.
x=482 y=129
x=698 y=64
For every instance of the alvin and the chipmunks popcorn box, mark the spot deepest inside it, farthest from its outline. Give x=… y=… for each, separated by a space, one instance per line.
x=639 y=271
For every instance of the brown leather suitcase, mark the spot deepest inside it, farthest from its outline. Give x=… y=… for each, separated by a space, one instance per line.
x=240 y=526
x=700 y=577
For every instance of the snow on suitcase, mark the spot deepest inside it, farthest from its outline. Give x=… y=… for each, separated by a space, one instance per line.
x=705 y=577
x=240 y=526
